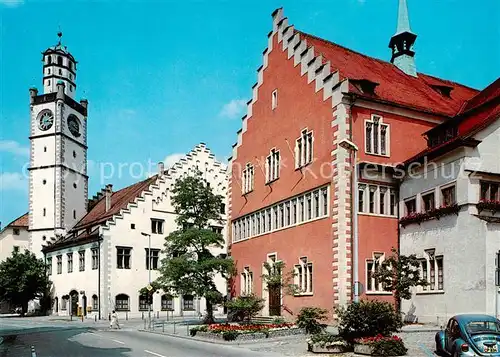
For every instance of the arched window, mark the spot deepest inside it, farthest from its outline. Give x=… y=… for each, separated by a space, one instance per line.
x=49 y=59
x=95 y=302
x=55 y=308
x=59 y=60
x=64 y=302
x=122 y=302
x=167 y=303
x=143 y=303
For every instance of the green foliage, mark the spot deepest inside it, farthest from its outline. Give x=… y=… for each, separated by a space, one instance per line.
x=389 y=347
x=309 y=319
x=368 y=318
x=278 y=320
x=245 y=307
x=193 y=331
x=230 y=335
x=189 y=266
x=399 y=273
x=328 y=339
x=23 y=278
x=274 y=277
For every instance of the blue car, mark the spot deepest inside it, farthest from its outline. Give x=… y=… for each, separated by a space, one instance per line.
x=469 y=335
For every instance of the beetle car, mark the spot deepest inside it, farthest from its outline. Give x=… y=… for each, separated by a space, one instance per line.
x=469 y=335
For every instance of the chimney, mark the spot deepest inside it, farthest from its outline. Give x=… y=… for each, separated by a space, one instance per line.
x=33 y=94
x=161 y=168
x=84 y=103
x=109 y=192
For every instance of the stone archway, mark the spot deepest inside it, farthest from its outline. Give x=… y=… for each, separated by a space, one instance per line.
x=73 y=303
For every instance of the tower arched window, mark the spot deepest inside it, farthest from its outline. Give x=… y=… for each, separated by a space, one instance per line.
x=60 y=72
x=44 y=212
x=59 y=60
x=74 y=214
x=49 y=59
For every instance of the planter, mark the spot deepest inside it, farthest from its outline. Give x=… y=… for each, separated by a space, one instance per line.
x=317 y=348
x=362 y=349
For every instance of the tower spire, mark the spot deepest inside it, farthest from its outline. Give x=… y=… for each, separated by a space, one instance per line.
x=402 y=42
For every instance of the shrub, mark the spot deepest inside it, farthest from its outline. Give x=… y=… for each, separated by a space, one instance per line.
x=193 y=331
x=368 y=318
x=278 y=321
x=229 y=335
x=385 y=346
x=309 y=319
x=245 y=307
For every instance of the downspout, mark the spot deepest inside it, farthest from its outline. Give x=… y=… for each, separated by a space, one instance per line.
x=99 y=277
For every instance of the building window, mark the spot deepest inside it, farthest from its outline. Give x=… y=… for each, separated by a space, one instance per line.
x=81 y=260
x=95 y=258
x=274 y=99
x=74 y=185
x=324 y=200
x=44 y=212
x=59 y=60
x=44 y=149
x=381 y=200
x=153 y=258
x=48 y=82
x=393 y=203
x=372 y=265
x=44 y=181
x=217 y=230
x=64 y=303
x=157 y=226
x=122 y=302
x=246 y=281
x=49 y=266
x=59 y=264
x=16 y=231
x=428 y=201
x=143 y=303
x=74 y=214
x=60 y=71
x=74 y=154
x=167 y=303
x=188 y=303
x=489 y=191
x=361 y=198
x=431 y=268
x=411 y=206
x=248 y=178
x=371 y=201
x=376 y=136
x=448 y=196
x=273 y=166
x=222 y=208
x=132 y=226
x=304 y=276
x=70 y=262
x=304 y=149
x=95 y=303
x=123 y=258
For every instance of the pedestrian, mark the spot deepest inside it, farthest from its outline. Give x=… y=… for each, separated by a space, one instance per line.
x=114 y=320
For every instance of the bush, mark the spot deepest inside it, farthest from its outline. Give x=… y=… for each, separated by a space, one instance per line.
x=278 y=321
x=385 y=346
x=309 y=319
x=368 y=318
x=245 y=307
x=229 y=335
x=193 y=331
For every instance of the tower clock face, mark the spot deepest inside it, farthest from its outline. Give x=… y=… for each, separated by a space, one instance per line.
x=45 y=120
x=74 y=125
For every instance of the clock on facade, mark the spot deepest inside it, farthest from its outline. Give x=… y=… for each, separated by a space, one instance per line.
x=45 y=120
x=74 y=125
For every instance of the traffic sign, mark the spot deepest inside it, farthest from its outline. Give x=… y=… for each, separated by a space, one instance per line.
x=149 y=287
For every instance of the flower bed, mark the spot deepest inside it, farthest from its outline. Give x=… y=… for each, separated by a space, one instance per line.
x=230 y=332
x=328 y=343
x=436 y=213
x=380 y=346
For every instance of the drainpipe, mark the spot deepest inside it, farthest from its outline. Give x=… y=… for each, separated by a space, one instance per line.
x=99 y=276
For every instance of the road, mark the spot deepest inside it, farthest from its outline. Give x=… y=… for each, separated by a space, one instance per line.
x=73 y=341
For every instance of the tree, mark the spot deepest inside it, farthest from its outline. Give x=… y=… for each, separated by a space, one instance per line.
x=274 y=277
x=148 y=294
x=189 y=266
x=399 y=273
x=23 y=278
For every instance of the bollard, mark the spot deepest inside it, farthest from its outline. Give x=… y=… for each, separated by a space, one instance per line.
x=163 y=327
x=157 y=314
x=33 y=353
x=126 y=316
x=142 y=315
x=95 y=318
x=174 y=327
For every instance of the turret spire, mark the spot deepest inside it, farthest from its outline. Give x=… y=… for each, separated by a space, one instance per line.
x=402 y=43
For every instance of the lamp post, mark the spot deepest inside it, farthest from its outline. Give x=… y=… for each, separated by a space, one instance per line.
x=149 y=274
x=352 y=148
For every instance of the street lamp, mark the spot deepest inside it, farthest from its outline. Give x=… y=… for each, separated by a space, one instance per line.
x=149 y=274
x=351 y=147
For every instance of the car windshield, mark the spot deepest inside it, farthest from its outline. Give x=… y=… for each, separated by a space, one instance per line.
x=475 y=327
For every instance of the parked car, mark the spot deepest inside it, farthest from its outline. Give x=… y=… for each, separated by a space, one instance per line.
x=469 y=335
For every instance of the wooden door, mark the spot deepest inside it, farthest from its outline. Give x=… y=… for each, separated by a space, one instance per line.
x=274 y=300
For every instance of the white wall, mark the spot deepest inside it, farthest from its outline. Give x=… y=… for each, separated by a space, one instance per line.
x=8 y=240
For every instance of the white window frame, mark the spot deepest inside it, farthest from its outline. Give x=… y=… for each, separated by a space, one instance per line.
x=380 y=120
x=274 y=99
x=303 y=278
x=413 y=198
x=248 y=179
x=425 y=194
x=431 y=259
x=377 y=259
x=246 y=282
x=304 y=146
x=273 y=163
x=445 y=187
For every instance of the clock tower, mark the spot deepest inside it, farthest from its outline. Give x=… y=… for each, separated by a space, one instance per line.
x=58 y=181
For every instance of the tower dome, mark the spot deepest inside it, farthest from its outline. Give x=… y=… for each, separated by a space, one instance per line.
x=59 y=65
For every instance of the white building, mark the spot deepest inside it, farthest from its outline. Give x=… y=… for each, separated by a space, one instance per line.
x=14 y=235
x=97 y=250
x=458 y=245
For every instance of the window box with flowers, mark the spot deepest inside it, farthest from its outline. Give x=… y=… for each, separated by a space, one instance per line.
x=436 y=213
x=488 y=205
x=380 y=346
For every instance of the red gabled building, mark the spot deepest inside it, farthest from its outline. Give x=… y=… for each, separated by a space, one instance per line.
x=292 y=191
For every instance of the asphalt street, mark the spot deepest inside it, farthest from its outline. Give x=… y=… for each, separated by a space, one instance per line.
x=84 y=342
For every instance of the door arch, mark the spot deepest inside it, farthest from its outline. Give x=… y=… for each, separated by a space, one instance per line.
x=55 y=308
x=84 y=303
x=73 y=297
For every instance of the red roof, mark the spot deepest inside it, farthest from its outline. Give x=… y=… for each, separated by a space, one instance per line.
x=119 y=200
x=394 y=86
x=477 y=114
x=22 y=221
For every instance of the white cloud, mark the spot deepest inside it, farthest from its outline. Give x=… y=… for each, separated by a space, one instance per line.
x=14 y=148
x=233 y=109
x=12 y=3
x=172 y=159
x=13 y=181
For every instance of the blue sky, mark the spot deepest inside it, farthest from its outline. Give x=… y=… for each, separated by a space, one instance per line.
x=162 y=76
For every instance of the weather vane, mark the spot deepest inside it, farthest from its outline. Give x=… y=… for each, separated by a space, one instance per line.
x=59 y=34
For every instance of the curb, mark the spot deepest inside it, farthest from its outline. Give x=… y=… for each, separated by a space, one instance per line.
x=430 y=329
x=186 y=337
